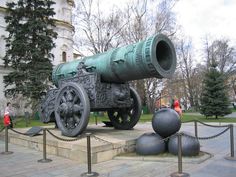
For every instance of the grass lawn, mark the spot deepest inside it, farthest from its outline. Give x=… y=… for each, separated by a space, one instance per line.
x=187 y=117
x=193 y=111
x=20 y=122
x=204 y=119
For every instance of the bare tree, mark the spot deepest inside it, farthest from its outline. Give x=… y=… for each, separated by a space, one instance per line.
x=221 y=52
x=153 y=92
x=184 y=53
x=232 y=80
x=148 y=17
x=197 y=82
x=96 y=30
x=165 y=19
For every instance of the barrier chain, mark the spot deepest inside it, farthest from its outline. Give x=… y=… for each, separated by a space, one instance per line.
x=55 y=136
x=215 y=126
x=210 y=137
x=64 y=139
x=100 y=139
x=187 y=121
x=19 y=132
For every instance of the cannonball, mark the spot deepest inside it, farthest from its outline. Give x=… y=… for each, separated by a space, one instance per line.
x=190 y=145
x=150 y=144
x=166 y=122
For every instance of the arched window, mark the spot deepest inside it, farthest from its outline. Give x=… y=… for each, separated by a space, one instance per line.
x=64 y=56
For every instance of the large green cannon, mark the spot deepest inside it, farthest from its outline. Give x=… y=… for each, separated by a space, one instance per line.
x=100 y=83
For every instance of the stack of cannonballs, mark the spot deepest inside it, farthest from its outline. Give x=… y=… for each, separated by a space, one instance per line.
x=166 y=122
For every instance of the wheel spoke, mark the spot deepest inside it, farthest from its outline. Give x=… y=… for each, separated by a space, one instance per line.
x=124 y=118
x=131 y=111
x=78 y=108
x=130 y=114
x=71 y=123
x=63 y=99
x=76 y=98
x=62 y=109
x=116 y=117
x=63 y=121
x=77 y=119
x=69 y=96
x=119 y=114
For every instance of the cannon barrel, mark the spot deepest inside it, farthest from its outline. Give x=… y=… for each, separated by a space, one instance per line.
x=153 y=57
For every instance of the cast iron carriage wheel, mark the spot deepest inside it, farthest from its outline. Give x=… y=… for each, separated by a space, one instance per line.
x=127 y=118
x=72 y=109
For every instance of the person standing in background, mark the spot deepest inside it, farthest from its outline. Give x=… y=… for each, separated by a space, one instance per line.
x=7 y=115
x=176 y=106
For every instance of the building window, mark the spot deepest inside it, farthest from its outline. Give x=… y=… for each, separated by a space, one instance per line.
x=64 y=56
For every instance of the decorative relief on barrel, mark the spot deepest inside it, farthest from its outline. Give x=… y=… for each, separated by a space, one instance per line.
x=139 y=57
x=148 y=49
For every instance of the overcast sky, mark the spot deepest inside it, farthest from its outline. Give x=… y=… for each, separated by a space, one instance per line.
x=214 y=18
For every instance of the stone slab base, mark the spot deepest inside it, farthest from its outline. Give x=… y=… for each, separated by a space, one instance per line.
x=106 y=143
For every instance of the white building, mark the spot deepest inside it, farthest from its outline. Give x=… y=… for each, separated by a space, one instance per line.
x=64 y=42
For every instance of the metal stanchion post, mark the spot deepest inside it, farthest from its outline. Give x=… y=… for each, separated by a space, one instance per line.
x=180 y=172
x=180 y=168
x=231 y=140
x=89 y=173
x=6 y=143
x=195 y=128
x=44 y=160
x=231 y=156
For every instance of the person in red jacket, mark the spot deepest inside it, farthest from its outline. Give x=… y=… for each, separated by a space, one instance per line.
x=7 y=120
x=7 y=115
x=177 y=107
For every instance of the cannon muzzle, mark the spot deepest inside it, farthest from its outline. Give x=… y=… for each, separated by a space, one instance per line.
x=153 y=57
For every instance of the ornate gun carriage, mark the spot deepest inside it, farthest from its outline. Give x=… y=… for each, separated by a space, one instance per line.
x=100 y=83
